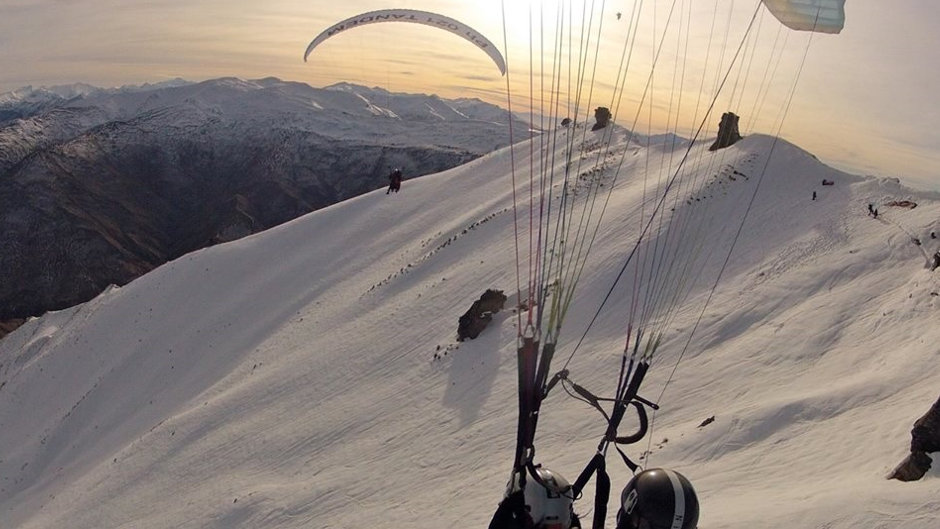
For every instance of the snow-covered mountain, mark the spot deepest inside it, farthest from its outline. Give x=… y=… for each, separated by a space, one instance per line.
x=98 y=186
x=28 y=100
x=308 y=376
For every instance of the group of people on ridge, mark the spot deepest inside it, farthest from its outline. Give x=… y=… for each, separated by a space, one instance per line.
x=394 y=181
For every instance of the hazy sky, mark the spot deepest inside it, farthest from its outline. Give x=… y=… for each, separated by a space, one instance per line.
x=866 y=100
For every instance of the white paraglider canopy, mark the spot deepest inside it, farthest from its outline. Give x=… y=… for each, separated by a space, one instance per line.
x=820 y=16
x=416 y=17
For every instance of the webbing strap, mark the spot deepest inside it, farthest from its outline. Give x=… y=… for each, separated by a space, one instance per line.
x=621 y=406
x=586 y=474
x=644 y=426
x=601 y=496
x=597 y=467
x=533 y=372
x=527 y=359
x=626 y=460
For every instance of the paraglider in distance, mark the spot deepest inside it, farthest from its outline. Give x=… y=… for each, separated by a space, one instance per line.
x=820 y=16
x=416 y=17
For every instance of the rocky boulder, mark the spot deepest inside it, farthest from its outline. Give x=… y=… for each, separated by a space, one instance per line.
x=925 y=439
x=727 y=132
x=479 y=315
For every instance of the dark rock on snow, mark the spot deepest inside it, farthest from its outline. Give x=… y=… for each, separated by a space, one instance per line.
x=479 y=315
x=602 y=117
x=727 y=132
x=925 y=439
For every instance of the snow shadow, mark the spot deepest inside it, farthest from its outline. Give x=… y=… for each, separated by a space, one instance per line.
x=473 y=368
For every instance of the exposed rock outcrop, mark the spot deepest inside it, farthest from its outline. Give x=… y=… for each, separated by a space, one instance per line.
x=727 y=132
x=602 y=117
x=479 y=315
x=925 y=439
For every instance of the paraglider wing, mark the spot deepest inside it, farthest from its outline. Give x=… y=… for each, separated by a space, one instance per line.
x=416 y=17
x=821 y=16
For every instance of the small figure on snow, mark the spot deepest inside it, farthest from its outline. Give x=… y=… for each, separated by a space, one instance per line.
x=936 y=261
x=394 y=181
x=871 y=209
x=814 y=195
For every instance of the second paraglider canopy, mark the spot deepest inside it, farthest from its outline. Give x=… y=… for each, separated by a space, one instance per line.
x=415 y=17
x=820 y=16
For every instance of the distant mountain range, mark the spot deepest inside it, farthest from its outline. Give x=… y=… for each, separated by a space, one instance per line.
x=98 y=186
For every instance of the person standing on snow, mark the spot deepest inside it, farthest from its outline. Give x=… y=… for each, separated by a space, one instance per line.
x=394 y=181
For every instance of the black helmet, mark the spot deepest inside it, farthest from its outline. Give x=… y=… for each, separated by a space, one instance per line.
x=658 y=499
x=550 y=501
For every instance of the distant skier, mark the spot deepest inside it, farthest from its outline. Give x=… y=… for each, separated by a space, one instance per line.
x=876 y=213
x=871 y=210
x=814 y=195
x=394 y=181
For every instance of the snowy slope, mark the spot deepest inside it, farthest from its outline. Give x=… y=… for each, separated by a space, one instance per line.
x=108 y=184
x=308 y=376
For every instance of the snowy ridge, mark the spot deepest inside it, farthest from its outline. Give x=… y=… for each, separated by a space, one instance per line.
x=228 y=94
x=378 y=111
x=78 y=90
x=308 y=376
x=229 y=157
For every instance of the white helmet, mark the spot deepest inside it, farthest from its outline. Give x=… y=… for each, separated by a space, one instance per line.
x=549 y=502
